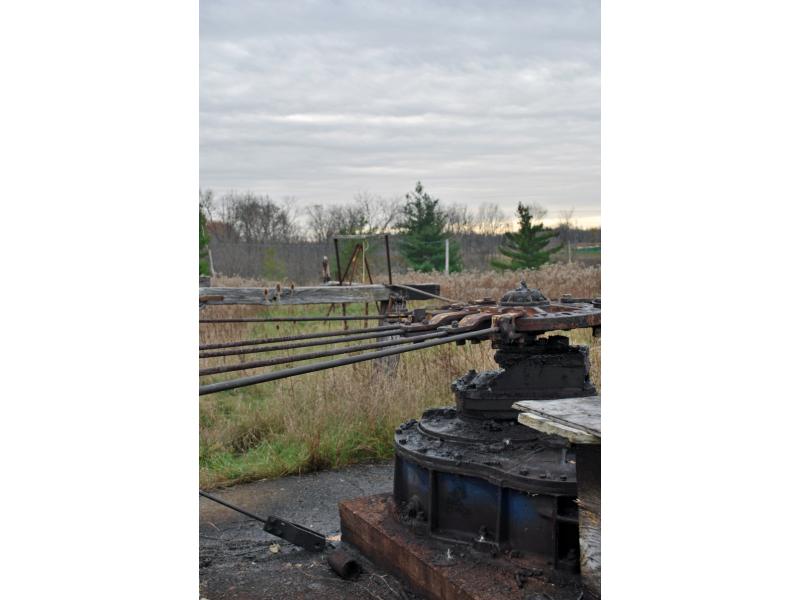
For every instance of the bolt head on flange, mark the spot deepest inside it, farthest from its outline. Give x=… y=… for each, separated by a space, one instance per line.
x=523 y=296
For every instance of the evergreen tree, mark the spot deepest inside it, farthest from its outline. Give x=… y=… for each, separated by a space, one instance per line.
x=525 y=249
x=423 y=228
x=205 y=265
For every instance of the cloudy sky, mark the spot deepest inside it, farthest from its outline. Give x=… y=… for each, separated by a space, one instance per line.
x=482 y=101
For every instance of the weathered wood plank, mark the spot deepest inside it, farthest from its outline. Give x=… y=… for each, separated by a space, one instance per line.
x=546 y=425
x=299 y=295
x=324 y=294
x=572 y=414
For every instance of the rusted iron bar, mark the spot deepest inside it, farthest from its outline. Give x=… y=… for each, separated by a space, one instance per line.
x=321 y=354
x=301 y=319
x=330 y=364
x=338 y=266
x=388 y=258
x=319 y=342
x=293 y=338
x=424 y=293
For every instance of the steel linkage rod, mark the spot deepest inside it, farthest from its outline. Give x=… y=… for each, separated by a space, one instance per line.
x=330 y=364
x=302 y=319
x=294 y=338
x=321 y=354
x=424 y=293
x=233 y=507
x=318 y=342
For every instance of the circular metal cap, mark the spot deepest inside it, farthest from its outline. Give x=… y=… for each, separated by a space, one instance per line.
x=523 y=296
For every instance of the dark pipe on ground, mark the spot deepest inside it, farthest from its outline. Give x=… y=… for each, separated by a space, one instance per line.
x=344 y=564
x=321 y=366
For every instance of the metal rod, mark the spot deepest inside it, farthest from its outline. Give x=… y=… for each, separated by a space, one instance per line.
x=321 y=354
x=338 y=267
x=302 y=370
x=298 y=319
x=233 y=507
x=388 y=258
x=293 y=338
x=424 y=293
x=320 y=342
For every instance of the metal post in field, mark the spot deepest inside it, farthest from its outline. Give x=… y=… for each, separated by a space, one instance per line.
x=447 y=257
x=388 y=258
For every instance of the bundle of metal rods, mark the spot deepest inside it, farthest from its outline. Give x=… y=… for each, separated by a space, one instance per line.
x=392 y=347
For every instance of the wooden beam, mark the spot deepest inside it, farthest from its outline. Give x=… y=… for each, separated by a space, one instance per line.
x=323 y=294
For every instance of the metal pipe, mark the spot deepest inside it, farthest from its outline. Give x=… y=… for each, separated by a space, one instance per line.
x=302 y=370
x=293 y=338
x=321 y=354
x=388 y=258
x=338 y=267
x=299 y=319
x=340 y=340
x=424 y=293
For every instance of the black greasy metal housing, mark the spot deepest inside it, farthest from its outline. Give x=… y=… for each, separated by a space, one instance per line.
x=473 y=475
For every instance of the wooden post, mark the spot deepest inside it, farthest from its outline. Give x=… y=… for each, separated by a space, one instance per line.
x=326 y=271
x=577 y=420
x=587 y=466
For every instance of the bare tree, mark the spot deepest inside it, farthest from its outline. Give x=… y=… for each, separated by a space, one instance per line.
x=538 y=212
x=366 y=214
x=460 y=220
x=489 y=220
x=258 y=218
x=379 y=213
x=318 y=223
x=207 y=203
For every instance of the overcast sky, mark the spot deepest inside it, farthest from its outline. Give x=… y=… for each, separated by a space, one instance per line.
x=481 y=101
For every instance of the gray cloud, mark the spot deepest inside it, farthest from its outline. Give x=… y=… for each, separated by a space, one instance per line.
x=481 y=101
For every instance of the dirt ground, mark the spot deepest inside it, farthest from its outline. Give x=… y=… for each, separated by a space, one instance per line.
x=236 y=561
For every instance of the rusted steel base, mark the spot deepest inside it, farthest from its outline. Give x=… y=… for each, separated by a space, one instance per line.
x=444 y=571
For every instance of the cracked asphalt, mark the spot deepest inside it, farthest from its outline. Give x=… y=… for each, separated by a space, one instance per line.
x=236 y=562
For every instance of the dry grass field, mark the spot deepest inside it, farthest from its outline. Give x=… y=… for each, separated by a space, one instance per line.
x=348 y=414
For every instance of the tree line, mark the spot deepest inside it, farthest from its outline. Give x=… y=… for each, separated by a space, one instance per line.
x=419 y=222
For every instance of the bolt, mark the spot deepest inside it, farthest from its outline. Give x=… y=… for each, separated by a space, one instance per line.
x=402 y=441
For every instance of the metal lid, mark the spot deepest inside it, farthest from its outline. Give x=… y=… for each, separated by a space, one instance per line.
x=523 y=296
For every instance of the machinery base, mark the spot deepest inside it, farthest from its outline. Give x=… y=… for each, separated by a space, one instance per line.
x=440 y=570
